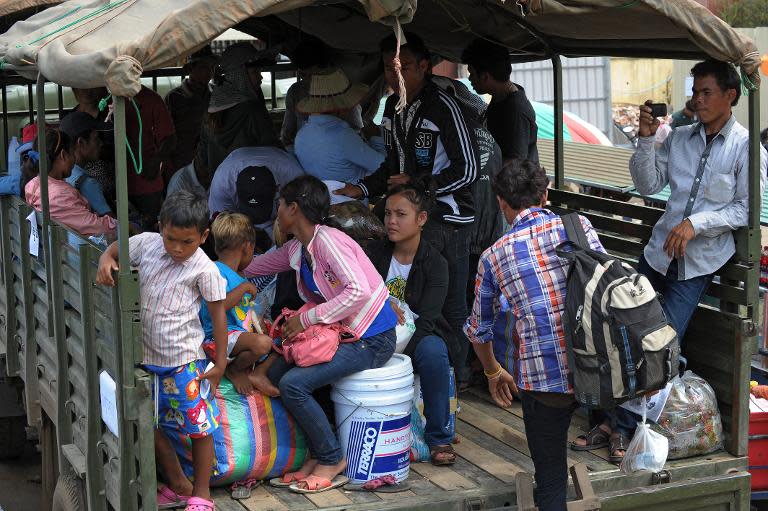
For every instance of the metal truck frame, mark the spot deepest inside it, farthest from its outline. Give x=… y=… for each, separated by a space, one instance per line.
x=59 y=331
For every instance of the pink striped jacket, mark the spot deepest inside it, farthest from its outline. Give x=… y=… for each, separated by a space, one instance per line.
x=353 y=289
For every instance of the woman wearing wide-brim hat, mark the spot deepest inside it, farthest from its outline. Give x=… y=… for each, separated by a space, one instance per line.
x=327 y=146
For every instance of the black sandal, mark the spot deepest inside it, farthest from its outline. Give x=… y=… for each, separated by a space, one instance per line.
x=618 y=442
x=597 y=438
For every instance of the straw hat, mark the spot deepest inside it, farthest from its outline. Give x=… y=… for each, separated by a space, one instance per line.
x=331 y=91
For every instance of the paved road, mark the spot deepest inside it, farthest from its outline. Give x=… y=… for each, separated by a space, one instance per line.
x=20 y=482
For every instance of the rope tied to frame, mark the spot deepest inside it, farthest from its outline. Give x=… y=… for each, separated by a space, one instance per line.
x=402 y=101
x=749 y=82
x=137 y=166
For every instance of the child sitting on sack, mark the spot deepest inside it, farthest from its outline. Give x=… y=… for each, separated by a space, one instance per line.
x=234 y=239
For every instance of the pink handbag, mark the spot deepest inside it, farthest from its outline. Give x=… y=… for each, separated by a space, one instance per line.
x=315 y=345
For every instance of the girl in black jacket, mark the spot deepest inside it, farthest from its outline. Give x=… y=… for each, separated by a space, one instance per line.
x=417 y=274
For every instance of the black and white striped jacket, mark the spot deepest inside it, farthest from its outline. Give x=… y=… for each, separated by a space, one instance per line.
x=439 y=145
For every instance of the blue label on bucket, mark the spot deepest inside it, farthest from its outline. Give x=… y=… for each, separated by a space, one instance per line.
x=377 y=448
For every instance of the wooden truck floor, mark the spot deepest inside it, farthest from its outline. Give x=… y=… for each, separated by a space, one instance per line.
x=491 y=451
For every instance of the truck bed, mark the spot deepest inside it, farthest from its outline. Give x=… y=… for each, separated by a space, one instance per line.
x=492 y=449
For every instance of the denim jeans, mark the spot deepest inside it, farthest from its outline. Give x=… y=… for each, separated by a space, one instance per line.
x=430 y=361
x=453 y=243
x=681 y=297
x=546 y=428
x=296 y=385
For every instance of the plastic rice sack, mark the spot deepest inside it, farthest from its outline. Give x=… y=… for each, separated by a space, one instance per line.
x=691 y=419
x=419 y=447
x=257 y=439
x=356 y=221
x=405 y=331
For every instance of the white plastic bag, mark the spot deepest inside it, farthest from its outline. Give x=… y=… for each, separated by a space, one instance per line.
x=405 y=331
x=647 y=451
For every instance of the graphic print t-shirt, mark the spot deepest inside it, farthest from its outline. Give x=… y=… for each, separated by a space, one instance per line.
x=397 y=278
x=236 y=314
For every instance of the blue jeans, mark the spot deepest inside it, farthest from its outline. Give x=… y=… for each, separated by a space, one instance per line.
x=680 y=297
x=296 y=385
x=453 y=243
x=546 y=429
x=430 y=361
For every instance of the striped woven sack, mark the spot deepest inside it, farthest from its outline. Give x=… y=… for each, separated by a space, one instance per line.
x=257 y=439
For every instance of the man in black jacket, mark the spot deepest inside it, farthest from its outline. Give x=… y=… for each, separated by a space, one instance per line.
x=431 y=141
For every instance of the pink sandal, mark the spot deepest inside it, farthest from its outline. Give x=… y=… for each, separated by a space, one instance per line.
x=169 y=499
x=199 y=504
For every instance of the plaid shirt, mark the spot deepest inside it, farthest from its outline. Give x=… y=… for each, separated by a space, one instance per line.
x=523 y=268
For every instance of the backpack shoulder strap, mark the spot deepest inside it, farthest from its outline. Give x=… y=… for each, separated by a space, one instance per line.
x=574 y=230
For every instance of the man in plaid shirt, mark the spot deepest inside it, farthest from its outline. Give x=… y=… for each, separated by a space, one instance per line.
x=523 y=269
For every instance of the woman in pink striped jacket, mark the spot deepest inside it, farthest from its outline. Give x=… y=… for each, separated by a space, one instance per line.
x=334 y=274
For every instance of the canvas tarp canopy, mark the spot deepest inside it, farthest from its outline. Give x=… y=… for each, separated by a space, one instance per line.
x=94 y=43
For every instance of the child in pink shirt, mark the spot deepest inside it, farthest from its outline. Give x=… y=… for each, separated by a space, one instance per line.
x=67 y=206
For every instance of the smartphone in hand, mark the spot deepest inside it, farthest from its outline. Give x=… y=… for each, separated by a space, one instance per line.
x=658 y=110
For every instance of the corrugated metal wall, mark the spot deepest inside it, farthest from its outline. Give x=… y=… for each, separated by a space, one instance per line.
x=586 y=87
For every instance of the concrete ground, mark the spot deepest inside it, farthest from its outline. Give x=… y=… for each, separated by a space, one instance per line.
x=20 y=482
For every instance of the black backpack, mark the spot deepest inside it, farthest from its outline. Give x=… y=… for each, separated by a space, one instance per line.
x=619 y=343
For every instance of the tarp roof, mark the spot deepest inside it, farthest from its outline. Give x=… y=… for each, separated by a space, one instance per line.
x=94 y=42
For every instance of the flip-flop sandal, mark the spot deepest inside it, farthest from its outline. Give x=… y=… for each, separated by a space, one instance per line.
x=317 y=484
x=436 y=450
x=242 y=489
x=385 y=484
x=169 y=499
x=597 y=438
x=618 y=442
x=293 y=477
x=199 y=504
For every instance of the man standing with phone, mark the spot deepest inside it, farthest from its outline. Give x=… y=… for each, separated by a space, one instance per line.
x=706 y=167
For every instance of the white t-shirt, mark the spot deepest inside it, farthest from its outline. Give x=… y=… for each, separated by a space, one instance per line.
x=397 y=278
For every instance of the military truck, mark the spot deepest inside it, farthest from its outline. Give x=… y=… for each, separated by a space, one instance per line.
x=60 y=333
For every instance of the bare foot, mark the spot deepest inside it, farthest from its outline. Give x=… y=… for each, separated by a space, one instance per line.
x=241 y=380
x=183 y=487
x=260 y=382
x=327 y=471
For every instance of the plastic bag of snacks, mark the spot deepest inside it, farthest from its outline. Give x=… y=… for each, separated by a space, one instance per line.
x=691 y=419
x=648 y=449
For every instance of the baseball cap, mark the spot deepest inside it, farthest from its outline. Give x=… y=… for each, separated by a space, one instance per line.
x=256 y=189
x=76 y=124
x=28 y=134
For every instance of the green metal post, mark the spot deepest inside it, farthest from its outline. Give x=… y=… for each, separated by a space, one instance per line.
x=50 y=239
x=557 y=73
x=94 y=481
x=129 y=349
x=753 y=225
x=12 y=363
x=64 y=404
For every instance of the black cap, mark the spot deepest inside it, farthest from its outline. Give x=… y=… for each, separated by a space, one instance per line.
x=256 y=189
x=78 y=124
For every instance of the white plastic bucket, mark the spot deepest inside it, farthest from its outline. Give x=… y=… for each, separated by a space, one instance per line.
x=373 y=418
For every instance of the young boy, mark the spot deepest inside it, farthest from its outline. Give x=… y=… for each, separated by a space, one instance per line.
x=235 y=240
x=175 y=275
